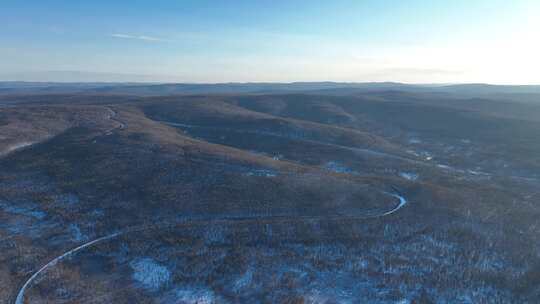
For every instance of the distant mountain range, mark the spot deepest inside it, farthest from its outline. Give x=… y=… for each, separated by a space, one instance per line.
x=329 y=88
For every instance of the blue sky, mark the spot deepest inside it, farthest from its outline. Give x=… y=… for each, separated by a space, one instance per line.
x=218 y=41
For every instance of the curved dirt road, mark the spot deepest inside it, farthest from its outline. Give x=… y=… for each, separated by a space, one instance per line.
x=20 y=295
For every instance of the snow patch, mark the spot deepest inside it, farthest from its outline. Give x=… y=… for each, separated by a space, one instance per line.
x=194 y=296
x=76 y=233
x=244 y=281
x=446 y=167
x=25 y=211
x=278 y=157
x=473 y=172
x=425 y=155
x=262 y=172
x=19 y=146
x=149 y=273
x=409 y=176
x=317 y=297
x=337 y=167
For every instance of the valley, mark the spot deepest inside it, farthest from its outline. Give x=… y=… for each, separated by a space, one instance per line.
x=321 y=195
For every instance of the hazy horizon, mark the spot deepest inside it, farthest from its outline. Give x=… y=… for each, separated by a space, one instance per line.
x=119 y=78
x=72 y=77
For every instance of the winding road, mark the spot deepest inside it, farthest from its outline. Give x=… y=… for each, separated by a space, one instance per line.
x=298 y=138
x=52 y=263
x=26 y=144
x=20 y=295
x=112 y=116
x=402 y=201
x=356 y=150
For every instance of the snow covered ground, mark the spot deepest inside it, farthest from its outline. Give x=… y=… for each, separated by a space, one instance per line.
x=149 y=273
x=18 y=146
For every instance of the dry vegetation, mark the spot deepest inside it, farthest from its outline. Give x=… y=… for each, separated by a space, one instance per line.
x=268 y=199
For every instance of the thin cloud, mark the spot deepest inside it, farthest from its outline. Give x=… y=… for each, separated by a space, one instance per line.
x=135 y=37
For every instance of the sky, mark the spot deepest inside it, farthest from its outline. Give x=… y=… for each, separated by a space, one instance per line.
x=414 y=41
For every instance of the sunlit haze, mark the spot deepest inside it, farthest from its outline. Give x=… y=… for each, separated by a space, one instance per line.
x=272 y=41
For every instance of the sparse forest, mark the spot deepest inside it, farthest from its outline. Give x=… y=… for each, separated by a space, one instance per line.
x=140 y=194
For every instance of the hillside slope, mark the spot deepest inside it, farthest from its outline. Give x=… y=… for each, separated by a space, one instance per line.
x=265 y=198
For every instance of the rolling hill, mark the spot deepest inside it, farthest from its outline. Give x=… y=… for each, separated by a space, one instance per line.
x=270 y=193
